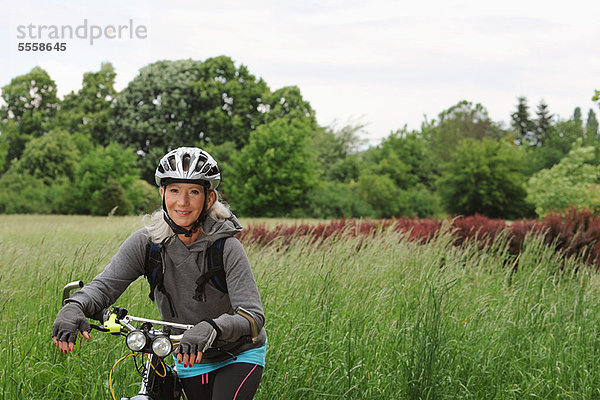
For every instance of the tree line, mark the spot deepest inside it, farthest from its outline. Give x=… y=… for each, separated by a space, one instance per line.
x=95 y=150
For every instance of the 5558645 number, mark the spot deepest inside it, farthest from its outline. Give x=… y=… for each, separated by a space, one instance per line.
x=35 y=46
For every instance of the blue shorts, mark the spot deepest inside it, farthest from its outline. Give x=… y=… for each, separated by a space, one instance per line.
x=253 y=356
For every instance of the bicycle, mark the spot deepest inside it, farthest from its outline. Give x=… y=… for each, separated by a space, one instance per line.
x=159 y=380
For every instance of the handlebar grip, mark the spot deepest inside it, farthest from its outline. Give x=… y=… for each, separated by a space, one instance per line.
x=69 y=287
x=250 y=317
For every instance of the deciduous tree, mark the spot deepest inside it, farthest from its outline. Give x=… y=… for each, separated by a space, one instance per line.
x=484 y=177
x=336 y=150
x=461 y=121
x=154 y=112
x=88 y=111
x=31 y=102
x=573 y=181
x=186 y=102
x=273 y=174
x=95 y=171
x=49 y=157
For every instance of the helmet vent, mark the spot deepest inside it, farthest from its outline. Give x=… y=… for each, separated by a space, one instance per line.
x=213 y=171
x=205 y=169
x=172 y=163
x=186 y=162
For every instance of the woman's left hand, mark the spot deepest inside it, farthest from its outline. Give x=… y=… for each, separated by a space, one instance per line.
x=194 y=342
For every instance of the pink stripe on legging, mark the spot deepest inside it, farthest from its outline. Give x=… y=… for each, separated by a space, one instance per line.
x=242 y=384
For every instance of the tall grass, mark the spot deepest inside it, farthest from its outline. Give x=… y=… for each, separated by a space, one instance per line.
x=356 y=318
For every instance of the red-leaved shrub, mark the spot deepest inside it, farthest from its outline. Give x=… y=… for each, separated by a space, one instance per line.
x=574 y=233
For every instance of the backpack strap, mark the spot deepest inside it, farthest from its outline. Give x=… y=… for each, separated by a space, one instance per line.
x=155 y=274
x=216 y=264
x=153 y=266
x=215 y=272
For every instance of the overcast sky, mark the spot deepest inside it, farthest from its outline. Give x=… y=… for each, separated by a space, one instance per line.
x=384 y=63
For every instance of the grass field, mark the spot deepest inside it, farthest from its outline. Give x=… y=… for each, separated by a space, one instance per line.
x=360 y=318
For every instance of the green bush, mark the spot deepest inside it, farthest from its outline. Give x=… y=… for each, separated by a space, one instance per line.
x=49 y=157
x=345 y=170
x=485 y=177
x=22 y=193
x=273 y=174
x=144 y=197
x=336 y=200
x=95 y=171
x=382 y=195
x=420 y=202
x=571 y=182
x=62 y=196
x=111 y=200
x=386 y=200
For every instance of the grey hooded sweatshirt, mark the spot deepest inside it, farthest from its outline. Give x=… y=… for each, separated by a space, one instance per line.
x=183 y=265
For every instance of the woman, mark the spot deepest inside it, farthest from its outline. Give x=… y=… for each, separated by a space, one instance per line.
x=214 y=358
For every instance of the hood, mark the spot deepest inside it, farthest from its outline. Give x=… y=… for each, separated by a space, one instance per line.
x=180 y=253
x=215 y=229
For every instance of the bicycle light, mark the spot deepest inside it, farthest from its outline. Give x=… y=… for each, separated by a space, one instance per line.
x=136 y=340
x=161 y=346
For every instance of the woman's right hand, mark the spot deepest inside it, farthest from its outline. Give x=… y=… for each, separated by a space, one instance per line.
x=69 y=319
x=194 y=343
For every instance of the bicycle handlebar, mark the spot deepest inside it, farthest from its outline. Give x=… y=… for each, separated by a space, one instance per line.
x=112 y=321
x=122 y=318
x=69 y=287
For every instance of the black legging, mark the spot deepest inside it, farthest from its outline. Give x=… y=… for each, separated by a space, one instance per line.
x=238 y=381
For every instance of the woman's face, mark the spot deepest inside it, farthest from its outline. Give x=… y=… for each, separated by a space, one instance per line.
x=185 y=201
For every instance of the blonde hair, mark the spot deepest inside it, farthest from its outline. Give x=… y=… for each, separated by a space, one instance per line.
x=158 y=230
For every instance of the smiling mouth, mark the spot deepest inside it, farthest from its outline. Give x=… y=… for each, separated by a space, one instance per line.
x=183 y=213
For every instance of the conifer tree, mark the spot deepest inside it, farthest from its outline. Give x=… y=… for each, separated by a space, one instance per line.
x=543 y=123
x=577 y=116
x=521 y=121
x=591 y=125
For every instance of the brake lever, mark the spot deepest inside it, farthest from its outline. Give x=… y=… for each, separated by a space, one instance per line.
x=99 y=328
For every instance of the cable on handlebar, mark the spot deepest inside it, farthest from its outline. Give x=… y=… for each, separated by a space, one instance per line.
x=112 y=392
x=139 y=369
x=155 y=370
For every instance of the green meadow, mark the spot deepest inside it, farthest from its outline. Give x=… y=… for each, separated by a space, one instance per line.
x=354 y=318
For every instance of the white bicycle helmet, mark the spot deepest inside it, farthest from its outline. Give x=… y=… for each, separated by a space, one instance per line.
x=188 y=164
